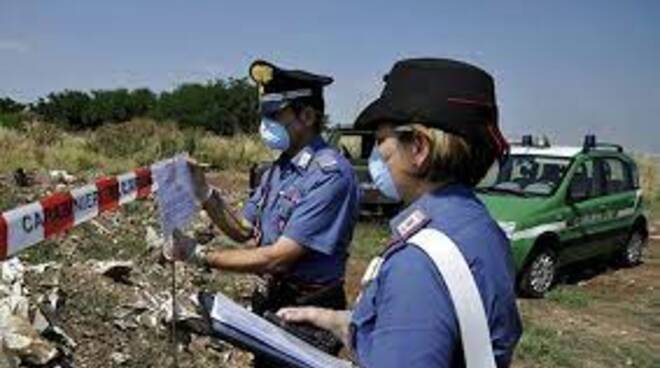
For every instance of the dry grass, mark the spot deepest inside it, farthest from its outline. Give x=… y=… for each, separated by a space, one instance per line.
x=648 y=173
x=115 y=148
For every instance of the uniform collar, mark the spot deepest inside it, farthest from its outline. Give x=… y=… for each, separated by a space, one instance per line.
x=304 y=157
x=416 y=216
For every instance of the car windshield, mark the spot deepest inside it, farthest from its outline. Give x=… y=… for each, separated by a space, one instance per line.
x=354 y=145
x=526 y=175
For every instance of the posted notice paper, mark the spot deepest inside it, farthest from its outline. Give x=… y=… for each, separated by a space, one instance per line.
x=176 y=199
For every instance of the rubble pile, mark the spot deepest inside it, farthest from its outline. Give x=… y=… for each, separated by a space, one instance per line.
x=100 y=296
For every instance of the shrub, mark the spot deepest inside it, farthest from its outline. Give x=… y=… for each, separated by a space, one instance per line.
x=224 y=107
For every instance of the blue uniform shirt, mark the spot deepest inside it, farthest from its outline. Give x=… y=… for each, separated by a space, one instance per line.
x=405 y=317
x=312 y=198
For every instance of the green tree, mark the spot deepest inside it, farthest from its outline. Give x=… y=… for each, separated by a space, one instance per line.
x=9 y=106
x=225 y=107
x=68 y=107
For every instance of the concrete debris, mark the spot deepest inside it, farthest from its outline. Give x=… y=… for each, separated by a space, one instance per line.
x=119 y=358
x=13 y=298
x=125 y=325
x=7 y=359
x=154 y=239
x=61 y=176
x=100 y=227
x=57 y=334
x=152 y=311
x=40 y=322
x=21 y=339
x=116 y=270
x=54 y=299
x=25 y=339
x=43 y=267
x=12 y=271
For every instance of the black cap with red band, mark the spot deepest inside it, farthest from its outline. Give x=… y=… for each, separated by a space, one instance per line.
x=449 y=95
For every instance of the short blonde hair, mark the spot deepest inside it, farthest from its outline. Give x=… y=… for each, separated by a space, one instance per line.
x=453 y=158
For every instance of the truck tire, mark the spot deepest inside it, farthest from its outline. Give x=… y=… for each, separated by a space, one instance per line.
x=539 y=274
x=633 y=250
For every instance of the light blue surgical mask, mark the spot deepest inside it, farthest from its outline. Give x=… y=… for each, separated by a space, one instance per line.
x=274 y=134
x=382 y=176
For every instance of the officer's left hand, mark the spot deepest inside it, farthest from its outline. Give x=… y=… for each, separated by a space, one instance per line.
x=335 y=321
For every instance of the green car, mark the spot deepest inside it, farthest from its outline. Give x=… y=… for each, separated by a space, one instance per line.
x=562 y=205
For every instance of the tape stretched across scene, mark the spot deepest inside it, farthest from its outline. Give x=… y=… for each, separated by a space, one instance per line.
x=30 y=224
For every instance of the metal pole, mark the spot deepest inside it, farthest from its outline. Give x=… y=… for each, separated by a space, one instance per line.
x=175 y=347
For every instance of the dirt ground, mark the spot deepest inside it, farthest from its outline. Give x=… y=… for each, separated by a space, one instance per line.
x=599 y=317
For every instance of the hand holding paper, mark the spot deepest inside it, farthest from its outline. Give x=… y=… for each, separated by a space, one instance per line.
x=180 y=248
x=200 y=187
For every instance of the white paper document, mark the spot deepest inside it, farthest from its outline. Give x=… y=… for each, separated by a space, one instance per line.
x=176 y=199
x=227 y=312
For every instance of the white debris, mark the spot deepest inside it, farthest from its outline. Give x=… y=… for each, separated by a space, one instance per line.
x=22 y=340
x=12 y=294
x=66 y=339
x=61 y=176
x=7 y=359
x=40 y=322
x=119 y=358
x=43 y=267
x=55 y=299
x=153 y=239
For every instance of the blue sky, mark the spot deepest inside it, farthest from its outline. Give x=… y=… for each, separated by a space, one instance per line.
x=563 y=68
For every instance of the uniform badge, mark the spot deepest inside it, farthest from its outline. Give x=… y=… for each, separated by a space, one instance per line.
x=262 y=73
x=412 y=223
x=305 y=158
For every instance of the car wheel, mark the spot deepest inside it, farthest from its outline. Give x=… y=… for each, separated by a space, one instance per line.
x=539 y=274
x=633 y=251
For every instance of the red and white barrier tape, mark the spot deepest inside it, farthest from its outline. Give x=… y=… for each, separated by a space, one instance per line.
x=27 y=225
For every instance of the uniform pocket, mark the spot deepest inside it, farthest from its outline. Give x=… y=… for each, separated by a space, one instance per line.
x=287 y=201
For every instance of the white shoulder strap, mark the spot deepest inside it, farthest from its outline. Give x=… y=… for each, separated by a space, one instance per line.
x=472 y=322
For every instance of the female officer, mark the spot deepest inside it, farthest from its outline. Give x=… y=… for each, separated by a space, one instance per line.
x=442 y=292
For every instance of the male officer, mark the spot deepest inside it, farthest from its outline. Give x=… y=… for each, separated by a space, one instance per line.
x=301 y=216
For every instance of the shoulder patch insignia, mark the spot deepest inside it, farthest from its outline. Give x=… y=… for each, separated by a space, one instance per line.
x=327 y=161
x=413 y=223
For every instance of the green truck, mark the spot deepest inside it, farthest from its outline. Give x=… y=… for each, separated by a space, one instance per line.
x=563 y=205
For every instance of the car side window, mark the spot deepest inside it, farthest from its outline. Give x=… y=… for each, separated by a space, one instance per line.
x=356 y=146
x=617 y=175
x=585 y=181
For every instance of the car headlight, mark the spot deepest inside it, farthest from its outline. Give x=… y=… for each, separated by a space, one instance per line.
x=508 y=227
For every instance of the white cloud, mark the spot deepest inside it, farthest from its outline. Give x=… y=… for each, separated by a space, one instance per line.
x=14 y=46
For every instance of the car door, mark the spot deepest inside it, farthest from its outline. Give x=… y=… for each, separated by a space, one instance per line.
x=617 y=204
x=584 y=200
